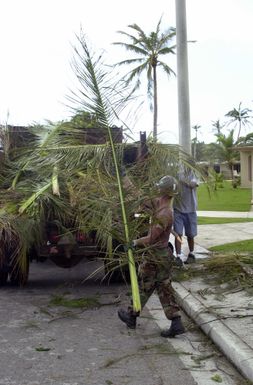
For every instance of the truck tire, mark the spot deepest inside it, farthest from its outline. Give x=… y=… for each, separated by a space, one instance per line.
x=3 y=277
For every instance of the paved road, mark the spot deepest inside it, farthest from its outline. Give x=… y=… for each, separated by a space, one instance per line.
x=44 y=344
x=50 y=345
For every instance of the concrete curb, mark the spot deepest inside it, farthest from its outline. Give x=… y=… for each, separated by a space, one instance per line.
x=237 y=351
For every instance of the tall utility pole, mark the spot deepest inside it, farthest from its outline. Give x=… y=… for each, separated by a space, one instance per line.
x=184 y=124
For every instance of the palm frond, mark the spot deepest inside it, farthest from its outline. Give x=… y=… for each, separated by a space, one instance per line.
x=25 y=205
x=98 y=97
x=166 y=68
x=133 y=48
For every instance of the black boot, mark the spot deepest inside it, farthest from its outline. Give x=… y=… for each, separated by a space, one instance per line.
x=178 y=262
x=176 y=328
x=129 y=317
x=191 y=258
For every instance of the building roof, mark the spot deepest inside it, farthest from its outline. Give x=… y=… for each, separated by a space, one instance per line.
x=245 y=148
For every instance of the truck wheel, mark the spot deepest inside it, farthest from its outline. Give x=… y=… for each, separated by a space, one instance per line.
x=3 y=277
x=17 y=276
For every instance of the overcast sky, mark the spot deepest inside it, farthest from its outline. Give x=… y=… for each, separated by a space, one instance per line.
x=35 y=46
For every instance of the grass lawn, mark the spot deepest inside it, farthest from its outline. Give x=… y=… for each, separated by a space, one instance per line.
x=218 y=221
x=224 y=199
x=239 y=247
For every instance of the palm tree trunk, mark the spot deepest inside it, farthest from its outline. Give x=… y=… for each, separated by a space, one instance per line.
x=155 y=105
x=239 y=131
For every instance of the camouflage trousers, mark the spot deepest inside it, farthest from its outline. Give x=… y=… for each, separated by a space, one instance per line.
x=155 y=274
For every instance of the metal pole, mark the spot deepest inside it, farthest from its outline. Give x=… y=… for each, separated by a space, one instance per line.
x=182 y=78
x=251 y=175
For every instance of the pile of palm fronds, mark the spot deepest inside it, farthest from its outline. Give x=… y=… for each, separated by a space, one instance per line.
x=59 y=177
x=230 y=269
x=226 y=270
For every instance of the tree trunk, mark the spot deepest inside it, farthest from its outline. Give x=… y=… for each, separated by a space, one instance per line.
x=155 y=105
x=239 y=131
x=232 y=171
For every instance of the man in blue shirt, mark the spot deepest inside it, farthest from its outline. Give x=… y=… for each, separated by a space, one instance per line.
x=185 y=212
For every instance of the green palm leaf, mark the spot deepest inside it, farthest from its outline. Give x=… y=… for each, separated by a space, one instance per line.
x=25 y=205
x=99 y=97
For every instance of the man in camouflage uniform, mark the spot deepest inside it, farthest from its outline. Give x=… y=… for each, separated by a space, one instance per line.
x=155 y=269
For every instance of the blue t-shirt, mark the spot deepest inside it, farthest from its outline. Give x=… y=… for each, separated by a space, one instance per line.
x=186 y=200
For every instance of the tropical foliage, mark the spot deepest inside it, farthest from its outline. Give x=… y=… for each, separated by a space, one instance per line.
x=149 y=48
x=59 y=176
x=241 y=117
x=60 y=179
x=227 y=144
x=246 y=140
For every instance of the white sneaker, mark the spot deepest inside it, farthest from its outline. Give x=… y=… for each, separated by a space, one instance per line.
x=182 y=257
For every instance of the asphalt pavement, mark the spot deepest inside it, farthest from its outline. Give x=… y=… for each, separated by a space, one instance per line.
x=61 y=329
x=45 y=343
x=227 y=318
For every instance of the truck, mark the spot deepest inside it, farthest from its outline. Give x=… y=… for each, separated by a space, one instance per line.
x=65 y=241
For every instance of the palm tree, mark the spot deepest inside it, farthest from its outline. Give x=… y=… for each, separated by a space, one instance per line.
x=217 y=126
x=240 y=117
x=227 y=151
x=246 y=140
x=149 y=49
x=196 y=127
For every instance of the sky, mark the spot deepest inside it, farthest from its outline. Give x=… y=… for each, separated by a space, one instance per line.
x=36 y=38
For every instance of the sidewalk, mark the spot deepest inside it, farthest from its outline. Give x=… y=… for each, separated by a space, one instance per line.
x=226 y=214
x=228 y=322
x=213 y=235
x=226 y=318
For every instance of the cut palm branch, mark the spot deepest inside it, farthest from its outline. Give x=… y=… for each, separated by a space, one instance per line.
x=98 y=97
x=33 y=198
x=225 y=271
x=87 y=175
x=55 y=182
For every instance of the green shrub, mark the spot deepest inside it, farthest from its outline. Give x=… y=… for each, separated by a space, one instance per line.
x=219 y=180
x=236 y=181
